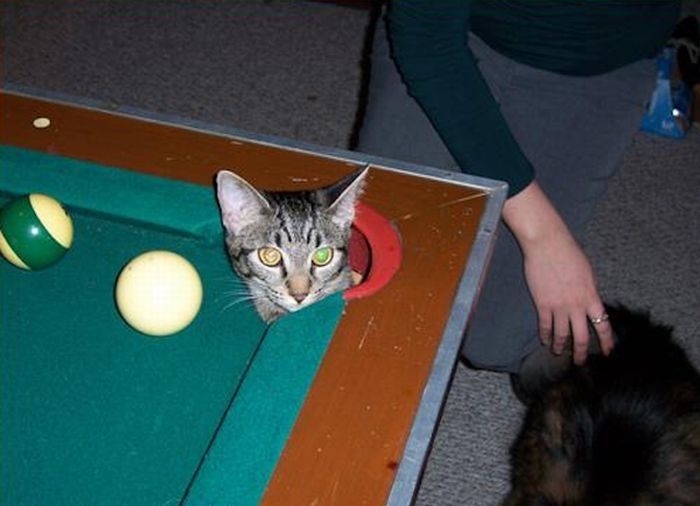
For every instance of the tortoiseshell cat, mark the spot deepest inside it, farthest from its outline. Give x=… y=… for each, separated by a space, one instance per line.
x=290 y=248
x=622 y=430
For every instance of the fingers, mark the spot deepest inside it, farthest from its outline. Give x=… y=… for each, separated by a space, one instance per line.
x=562 y=331
x=599 y=319
x=566 y=328
x=605 y=336
x=581 y=337
x=557 y=327
x=546 y=322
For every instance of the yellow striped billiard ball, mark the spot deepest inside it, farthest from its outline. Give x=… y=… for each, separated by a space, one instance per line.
x=35 y=231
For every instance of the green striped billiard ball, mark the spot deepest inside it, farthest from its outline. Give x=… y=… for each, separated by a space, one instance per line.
x=35 y=231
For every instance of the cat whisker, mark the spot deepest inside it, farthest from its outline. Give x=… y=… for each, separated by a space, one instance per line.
x=234 y=286
x=239 y=301
x=231 y=305
x=232 y=298
x=229 y=278
x=234 y=293
x=236 y=296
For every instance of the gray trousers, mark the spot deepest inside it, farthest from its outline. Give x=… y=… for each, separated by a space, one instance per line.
x=572 y=129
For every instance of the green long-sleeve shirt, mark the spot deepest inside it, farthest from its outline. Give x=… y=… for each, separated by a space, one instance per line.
x=575 y=37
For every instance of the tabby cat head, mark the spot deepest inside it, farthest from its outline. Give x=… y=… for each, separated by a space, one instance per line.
x=289 y=247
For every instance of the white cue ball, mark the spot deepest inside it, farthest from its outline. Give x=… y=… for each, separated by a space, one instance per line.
x=159 y=293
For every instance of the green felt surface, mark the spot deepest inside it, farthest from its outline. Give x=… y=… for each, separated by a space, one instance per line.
x=175 y=206
x=237 y=469
x=93 y=412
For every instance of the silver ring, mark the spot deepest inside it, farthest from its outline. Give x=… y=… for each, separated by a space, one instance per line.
x=600 y=319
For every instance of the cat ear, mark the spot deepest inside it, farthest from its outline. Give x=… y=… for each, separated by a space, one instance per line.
x=240 y=203
x=343 y=195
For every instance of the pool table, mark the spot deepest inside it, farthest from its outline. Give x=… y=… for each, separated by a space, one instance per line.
x=334 y=404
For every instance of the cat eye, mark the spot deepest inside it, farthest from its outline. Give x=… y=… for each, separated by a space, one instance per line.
x=322 y=256
x=269 y=256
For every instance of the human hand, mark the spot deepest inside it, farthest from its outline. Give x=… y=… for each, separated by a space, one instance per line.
x=559 y=275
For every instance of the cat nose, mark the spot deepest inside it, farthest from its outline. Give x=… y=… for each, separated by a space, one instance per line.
x=299 y=287
x=299 y=297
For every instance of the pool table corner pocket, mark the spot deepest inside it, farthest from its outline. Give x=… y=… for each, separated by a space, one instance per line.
x=375 y=252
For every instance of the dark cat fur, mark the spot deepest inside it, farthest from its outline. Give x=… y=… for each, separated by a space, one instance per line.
x=621 y=430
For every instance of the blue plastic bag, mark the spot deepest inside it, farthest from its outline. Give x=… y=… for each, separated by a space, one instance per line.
x=668 y=112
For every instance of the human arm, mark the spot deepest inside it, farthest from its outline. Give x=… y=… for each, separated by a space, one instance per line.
x=429 y=42
x=559 y=275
